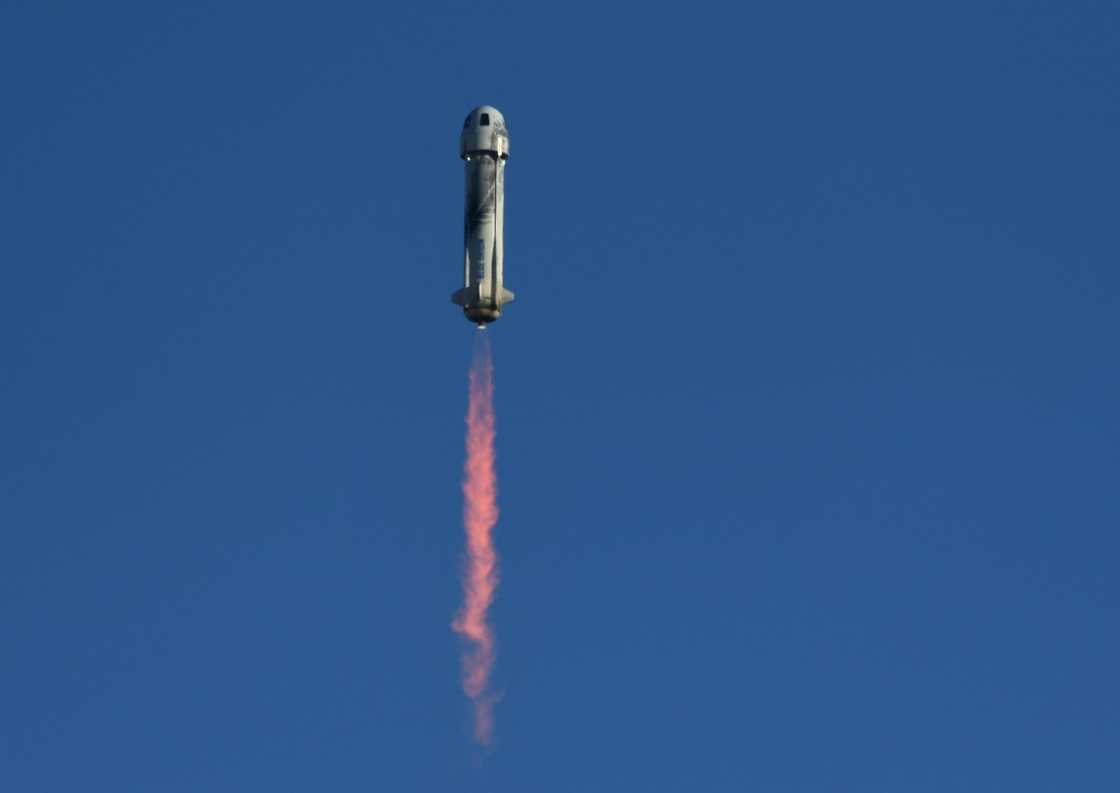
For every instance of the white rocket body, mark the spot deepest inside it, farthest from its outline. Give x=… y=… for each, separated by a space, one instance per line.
x=484 y=144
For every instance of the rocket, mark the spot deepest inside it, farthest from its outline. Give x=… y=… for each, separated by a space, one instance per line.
x=484 y=145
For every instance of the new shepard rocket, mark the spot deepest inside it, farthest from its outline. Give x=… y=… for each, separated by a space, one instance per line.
x=484 y=144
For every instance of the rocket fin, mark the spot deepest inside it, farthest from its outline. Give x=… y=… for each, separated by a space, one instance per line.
x=507 y=296
x=465 y=296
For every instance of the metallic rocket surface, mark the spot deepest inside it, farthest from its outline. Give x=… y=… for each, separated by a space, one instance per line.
x=484 y=144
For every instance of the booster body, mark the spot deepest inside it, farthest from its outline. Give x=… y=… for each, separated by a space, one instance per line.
x=484 y=145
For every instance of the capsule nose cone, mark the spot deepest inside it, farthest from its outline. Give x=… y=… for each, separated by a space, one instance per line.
x=484 y=129
x=490 y=110
x=493 y=117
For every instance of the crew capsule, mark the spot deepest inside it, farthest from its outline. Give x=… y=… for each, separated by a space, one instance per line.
x=484 y=145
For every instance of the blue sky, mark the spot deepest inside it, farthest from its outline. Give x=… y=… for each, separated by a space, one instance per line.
x=807 y=406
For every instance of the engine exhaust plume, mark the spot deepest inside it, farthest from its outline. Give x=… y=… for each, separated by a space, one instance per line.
x=480 y=513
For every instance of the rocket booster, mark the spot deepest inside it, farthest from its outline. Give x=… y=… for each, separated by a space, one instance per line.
x=484 y=145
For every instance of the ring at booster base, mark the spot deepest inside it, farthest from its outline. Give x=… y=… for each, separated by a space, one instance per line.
x=484 y=144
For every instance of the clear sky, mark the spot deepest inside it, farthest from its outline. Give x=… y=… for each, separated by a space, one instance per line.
x=807 y=407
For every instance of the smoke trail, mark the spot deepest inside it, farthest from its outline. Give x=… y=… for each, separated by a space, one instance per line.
x=480 y=513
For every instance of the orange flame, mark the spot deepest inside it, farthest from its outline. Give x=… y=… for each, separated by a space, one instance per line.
x=480 y=513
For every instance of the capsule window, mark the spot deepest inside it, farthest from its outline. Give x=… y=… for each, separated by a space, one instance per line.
x=484 y=120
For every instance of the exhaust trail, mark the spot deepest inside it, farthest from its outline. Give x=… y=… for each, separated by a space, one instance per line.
x=480 y=513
